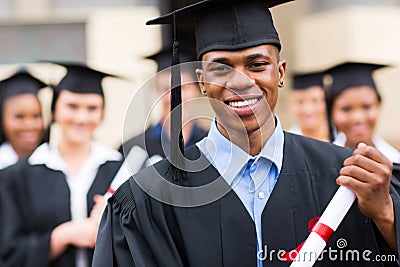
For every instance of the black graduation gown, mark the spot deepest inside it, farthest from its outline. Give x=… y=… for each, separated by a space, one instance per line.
x=150 y=141
x=33 y=201
x=138 y=230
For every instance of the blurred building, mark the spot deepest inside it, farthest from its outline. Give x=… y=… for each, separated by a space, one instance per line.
x=111 y=35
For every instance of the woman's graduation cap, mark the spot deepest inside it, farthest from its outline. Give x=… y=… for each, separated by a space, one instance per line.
x=303 y=81
x=81 y=79
x=21 y=82
x=351 y=74
x=219 y=25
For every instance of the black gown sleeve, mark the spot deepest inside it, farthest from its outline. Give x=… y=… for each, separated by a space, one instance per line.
x=119 y=241
x=395 y=194
x=19 y=246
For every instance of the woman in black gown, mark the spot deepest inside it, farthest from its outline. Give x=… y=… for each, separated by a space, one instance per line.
x=51 y=202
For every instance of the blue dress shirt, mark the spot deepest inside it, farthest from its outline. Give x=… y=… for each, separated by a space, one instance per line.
x=252 y=178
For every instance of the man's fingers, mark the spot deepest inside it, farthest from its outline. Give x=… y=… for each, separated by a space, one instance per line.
x=351 y=183
x=356 y=172
x=365 y=163
x=371 y=153
x=370 y=159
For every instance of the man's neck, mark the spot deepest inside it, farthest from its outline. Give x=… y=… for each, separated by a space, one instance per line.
x=251 y=142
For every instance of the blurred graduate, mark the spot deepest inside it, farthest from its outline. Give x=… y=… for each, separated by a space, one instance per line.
x=155 y=140
x=308 y=105
x=354 y=104
x=51 y=202
x=21 y=121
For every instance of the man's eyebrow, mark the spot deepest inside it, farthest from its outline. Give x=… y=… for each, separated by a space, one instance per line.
x=222 y=60
x=259 y=55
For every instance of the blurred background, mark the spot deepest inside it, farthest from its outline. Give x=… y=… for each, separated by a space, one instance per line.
x=111 y=35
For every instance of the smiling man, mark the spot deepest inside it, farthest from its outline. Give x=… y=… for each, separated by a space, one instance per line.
x=249 y=189
x=246 y=82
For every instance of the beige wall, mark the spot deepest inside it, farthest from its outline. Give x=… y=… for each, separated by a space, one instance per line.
x=118 y=39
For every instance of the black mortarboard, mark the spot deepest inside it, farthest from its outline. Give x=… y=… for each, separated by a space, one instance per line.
x=219 y=25
x=227 y=24
x=21 y=82
x=81 y=79
x=351 y=74
x=303 y=81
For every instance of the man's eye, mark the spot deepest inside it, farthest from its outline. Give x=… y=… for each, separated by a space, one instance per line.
x=258 y=66
x=220 y=68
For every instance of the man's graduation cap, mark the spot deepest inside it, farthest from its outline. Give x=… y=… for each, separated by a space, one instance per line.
x=81 y=79
x=227 y=24
x=21 y=82
x=304 y=81
x=351 y=74
x=219 y=25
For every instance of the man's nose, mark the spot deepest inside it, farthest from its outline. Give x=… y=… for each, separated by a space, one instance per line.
x=239 y=81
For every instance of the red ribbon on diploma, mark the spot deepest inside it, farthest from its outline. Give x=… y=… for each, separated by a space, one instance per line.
x=324 y=231
x=111 y=191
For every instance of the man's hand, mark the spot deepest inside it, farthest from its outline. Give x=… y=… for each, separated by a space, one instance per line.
x=367 y=173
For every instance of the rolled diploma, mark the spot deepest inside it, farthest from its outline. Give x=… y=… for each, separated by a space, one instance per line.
x=332 y=217
x=131 y=165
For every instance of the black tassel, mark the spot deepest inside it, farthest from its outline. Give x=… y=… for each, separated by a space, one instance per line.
x=177 y=142
x=331 y=128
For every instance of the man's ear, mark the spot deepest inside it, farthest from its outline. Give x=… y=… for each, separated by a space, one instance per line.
x=282 y=72
x=199 y=74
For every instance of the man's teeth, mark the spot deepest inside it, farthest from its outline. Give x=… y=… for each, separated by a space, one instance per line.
x=238 y=104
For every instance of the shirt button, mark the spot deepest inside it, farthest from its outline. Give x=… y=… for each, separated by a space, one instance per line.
x=261 y=195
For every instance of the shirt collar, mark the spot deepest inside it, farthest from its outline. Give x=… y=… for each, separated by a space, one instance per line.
x=10 y=157
x=229 y=159
x=390 y=152
x=49 y=155
x=340 y=139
